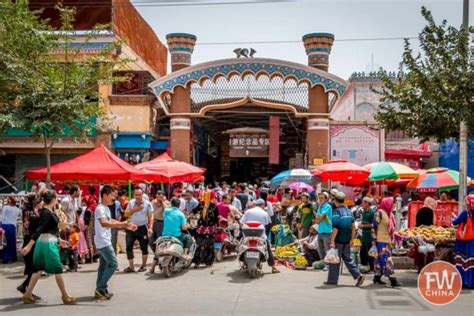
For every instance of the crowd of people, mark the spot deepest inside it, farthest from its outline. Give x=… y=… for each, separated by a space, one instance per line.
x=61 y=235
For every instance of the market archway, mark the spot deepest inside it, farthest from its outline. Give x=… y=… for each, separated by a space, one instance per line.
x=224 y=98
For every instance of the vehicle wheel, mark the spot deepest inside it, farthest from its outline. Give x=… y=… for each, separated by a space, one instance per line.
x=167 y=271
x=252 y=273
x=219 y=255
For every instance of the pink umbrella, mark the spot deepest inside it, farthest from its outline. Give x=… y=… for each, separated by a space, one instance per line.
x=299 y=186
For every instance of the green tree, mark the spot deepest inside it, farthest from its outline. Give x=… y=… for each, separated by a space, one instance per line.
x=47 y=87
x=434 y=89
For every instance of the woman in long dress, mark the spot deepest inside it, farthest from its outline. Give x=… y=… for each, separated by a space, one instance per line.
x=8 y=219
x=206 y=230
x=30 y=216
x=46 y=251
x=384 y=228
x=464 y=249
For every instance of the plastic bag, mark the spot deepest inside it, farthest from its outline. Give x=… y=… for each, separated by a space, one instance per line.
x=373 y=252
x=332 y=257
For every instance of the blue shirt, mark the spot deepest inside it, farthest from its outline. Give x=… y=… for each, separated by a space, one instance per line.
x=173 y=219
x=325 y=226
x=342 y=219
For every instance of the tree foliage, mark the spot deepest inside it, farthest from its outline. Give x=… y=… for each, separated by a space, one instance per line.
x=434 y=89
x=48 y=87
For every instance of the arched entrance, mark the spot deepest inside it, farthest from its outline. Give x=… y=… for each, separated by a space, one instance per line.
x=205 y=101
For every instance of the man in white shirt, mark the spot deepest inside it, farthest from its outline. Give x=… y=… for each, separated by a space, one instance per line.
x=70 y=207
x=258 y=214
x=140 y=212
x=235 y=202
x=103 y=241
x=310 y=245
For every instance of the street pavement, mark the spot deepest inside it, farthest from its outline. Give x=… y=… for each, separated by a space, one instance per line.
x=224 y=290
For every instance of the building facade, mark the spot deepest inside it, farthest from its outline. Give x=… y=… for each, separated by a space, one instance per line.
x=359 y=105
x=130 y=104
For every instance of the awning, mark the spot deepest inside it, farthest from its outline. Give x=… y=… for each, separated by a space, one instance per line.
x=405 y=153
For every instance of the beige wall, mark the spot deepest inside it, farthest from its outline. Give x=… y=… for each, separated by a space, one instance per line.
x=131 y=118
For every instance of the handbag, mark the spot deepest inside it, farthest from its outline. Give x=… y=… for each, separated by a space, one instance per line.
x=466 y=229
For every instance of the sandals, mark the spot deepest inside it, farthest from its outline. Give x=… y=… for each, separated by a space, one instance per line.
x=28 y=300
x=128 y=270
x=69 y=300
x=142 y=269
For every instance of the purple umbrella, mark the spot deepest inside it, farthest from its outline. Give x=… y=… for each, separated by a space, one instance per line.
x=299 y=186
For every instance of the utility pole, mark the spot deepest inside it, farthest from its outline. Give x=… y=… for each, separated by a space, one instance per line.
x=463 y=126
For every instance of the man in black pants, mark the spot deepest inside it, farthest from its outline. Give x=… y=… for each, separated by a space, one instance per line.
x=366 y=226
x=140 y=213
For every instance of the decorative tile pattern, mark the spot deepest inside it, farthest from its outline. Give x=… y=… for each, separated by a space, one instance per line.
x=316 y=59
x=180 y=58
x=271 y=67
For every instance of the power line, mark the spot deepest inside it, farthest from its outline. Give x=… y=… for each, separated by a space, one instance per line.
x=299 y=42
x=99 y=4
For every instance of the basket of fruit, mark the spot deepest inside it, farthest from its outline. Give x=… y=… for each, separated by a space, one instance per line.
x=286 y=252
x=301 y=263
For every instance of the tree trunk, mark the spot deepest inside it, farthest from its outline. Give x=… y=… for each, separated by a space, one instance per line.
x=47 y=149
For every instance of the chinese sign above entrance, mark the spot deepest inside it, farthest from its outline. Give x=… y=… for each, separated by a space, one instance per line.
x=248 y=145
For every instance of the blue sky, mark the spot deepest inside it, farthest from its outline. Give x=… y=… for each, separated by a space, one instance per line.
x=288 y=21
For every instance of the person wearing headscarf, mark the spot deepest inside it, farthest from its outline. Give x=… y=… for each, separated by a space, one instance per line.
x=206 y=229
x=384 y=228
x=425 y=216
x=464 y=246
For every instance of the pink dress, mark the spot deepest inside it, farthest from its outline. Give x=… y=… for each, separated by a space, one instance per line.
x=82 y=249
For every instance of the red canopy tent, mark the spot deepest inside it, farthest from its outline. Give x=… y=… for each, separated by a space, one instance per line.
x=98 y=165
x=167 y=170
x=341 y=171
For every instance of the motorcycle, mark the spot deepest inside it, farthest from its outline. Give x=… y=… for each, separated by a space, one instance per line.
x=226 y=241
x=170 y=251
x=252 y=248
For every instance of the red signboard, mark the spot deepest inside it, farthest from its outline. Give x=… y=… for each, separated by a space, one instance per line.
x=443 y=213
x=274 y=149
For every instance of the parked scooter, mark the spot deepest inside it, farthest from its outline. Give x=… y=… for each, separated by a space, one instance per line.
x=252 y=248
x=226 y=240
x=170 y=251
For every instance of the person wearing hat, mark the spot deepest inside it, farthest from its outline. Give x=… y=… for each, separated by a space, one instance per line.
x=258 y=214
x=306 y=215
x=341 y=239
x=366 y=226
x=310 y=245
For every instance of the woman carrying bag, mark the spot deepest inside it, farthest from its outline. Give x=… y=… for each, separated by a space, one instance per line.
x=464 y=246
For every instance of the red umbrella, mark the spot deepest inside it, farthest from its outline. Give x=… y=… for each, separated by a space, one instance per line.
x=168 y=170
x=341 y=171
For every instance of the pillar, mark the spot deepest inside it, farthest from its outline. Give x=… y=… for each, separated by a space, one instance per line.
x=180 y=46
x=318 y=47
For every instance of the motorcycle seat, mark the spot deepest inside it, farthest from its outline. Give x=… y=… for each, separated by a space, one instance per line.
x=169 y=238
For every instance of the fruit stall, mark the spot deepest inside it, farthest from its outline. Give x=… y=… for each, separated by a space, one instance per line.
x=439 y=240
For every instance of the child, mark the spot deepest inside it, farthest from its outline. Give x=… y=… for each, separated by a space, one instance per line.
x=73 y=245
x=82 y=249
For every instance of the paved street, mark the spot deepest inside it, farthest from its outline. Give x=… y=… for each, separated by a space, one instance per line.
x=224 y=290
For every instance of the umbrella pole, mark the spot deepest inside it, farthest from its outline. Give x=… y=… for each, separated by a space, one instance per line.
x=26 y=185
x=129 y=189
